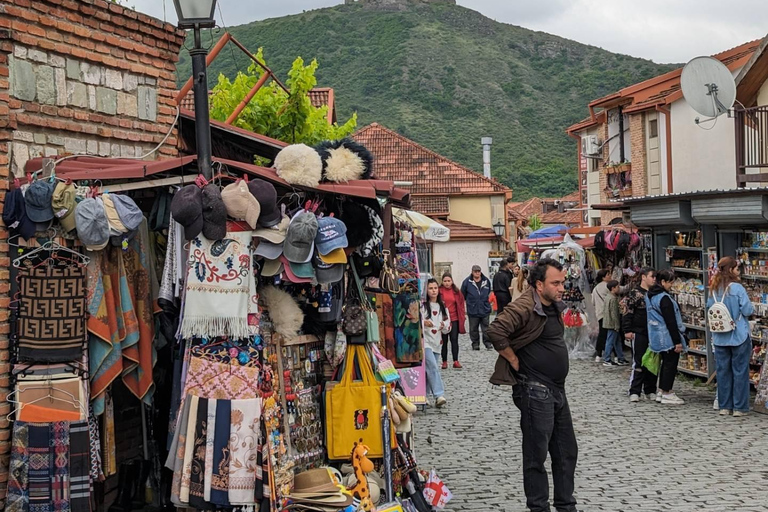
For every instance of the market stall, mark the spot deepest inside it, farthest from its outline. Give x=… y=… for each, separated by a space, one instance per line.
x=246 y=330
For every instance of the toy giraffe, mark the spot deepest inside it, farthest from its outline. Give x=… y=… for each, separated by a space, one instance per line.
x=362 y=466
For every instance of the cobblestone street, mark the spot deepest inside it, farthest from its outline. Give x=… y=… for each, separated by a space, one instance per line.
x=632 y=457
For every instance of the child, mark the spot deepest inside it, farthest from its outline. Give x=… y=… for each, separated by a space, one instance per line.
x=436 y=323
x=612 y=324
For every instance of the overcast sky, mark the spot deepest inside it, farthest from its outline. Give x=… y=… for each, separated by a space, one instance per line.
x=661 y=30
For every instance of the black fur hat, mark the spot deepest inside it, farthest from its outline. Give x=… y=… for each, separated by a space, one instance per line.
x=345 y=160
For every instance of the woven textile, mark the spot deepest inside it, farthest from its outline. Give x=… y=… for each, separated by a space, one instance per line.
x=52 y=309
x=209 y=379
x=189 y=445
x=18 y=472
x=60 y=481
x=197 y=473
x=79 y=467
x=40 y=468
x=219 y=288
x=210 y=436
x=175 y=460
x=220 y=476
x=244 y=446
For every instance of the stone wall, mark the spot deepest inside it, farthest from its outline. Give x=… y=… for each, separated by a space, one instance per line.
x=639 y=154
x=77 y=77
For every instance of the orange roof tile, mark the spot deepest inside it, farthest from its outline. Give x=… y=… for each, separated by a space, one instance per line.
x=431 y=205
x=567 y=218
x=533 y=206
x=397 y=158
x=464 y=231
x=573 y=197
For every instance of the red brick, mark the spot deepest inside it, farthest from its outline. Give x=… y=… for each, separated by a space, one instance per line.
x=81 y=116
x=49 y=110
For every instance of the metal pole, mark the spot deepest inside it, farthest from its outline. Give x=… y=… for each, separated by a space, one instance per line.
x=202 y=119
x=386 y=435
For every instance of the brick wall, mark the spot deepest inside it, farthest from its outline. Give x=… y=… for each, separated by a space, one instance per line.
x=77 y=77
x=639 y=155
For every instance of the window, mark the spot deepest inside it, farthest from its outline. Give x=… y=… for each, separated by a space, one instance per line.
x=653 y=128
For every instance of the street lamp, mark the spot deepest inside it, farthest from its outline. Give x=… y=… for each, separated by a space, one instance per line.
x=498 y=228
x=196 y=15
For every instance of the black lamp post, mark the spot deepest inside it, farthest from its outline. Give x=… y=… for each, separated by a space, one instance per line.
x=498 y=228
x=196 y=15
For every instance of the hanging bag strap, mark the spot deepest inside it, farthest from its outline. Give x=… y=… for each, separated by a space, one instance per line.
x=363 y=297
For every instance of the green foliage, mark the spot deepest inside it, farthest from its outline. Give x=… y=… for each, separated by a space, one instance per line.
x=272 y=111
x=445 y=76
x=534 y=222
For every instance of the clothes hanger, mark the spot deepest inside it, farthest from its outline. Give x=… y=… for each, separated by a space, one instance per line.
x=75 y=402
x=51 y=246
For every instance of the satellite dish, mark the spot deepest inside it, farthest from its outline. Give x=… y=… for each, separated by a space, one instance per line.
x=708 y=87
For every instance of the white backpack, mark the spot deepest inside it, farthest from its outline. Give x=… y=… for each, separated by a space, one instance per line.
x=718 y=316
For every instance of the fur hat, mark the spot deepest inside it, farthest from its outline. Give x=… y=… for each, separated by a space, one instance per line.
x=285 y=313
x=359 y=227
x=299 y=164
x=345 y=160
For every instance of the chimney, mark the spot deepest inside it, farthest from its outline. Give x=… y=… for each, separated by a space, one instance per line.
x=486 y=142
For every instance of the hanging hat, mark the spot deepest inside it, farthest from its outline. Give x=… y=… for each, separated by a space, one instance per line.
x=266 y=195
x=187 y=210
x=300 y=239
x=214 y=213
x=271 y=267
x=331 y=235
x=38 y=201
x=116 y=227
x=359 y=226
x=301 y=270
x=275 y=234
x=240 y=203
x=291 y=276
x=15 y=215
x=268 y=250
x=327 y=273
x=345 y=160
x=299 y=164
x=335 y=256
x=63 y=202
x=92 y=224
x=130 y=216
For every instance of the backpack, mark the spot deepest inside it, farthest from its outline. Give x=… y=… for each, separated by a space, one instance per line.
x=600 y=240
x=718 y=316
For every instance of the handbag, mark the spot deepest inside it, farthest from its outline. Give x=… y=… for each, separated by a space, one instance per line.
x=371 y=318
x=384 y=367
x=354 y=320
x=388 y=278
x=353 y=409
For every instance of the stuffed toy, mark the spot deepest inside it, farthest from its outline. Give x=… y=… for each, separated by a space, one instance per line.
x=345 y=160
x=299 y=164
x=285 y=313
x=362 y=466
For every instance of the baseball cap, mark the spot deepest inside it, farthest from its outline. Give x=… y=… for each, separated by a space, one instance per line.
x=268 y=250
x=266 y=195
x=271 y=267
x=15 y=215
x=116 y=227
x=187 y=210
x=335 y=256
x=300 y=239
x=275 y=234
x=92 y=224
x=63 y=204
x=327 y=273
x=301 y=270
x=38 y=201
x=331 y=235
x=214 y=213
x=290 y=275
x=240 y=203
x=476 y=268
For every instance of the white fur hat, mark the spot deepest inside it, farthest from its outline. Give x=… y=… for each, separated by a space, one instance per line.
x=299 y=164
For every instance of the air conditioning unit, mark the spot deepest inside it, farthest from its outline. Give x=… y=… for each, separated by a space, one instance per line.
x=590 y=145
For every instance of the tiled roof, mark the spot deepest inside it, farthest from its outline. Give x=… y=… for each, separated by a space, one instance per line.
x=573 y=197
x=431 y=205
x=533 y=206
x=464 y=231
x=567 y=218
x=397 y=158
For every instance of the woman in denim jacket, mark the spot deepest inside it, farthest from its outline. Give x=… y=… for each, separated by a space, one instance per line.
x=733 y=350
x=665 y=334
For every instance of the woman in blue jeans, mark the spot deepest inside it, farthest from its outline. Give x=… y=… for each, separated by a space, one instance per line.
x=436 y=322
x=733 y=349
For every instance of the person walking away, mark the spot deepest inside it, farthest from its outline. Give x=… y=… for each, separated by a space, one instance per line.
x=731 y=338
x=666 y=334
x=612 y=325
x=454 y=303
x=598 y=300
x=476 y=289
x=533 y=359
x=519 y=284
x=501 y=283
x=634 y=321
x=437 y=322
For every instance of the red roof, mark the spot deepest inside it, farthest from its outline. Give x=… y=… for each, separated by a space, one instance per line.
x=431 y=205
x=533 y=206
x=397 y=158
x=573 y=197
x=567 y=218
x=464 y=231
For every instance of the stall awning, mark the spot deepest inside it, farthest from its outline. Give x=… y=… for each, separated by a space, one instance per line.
x=538 y=244
x=742 y=209
x=425 y=227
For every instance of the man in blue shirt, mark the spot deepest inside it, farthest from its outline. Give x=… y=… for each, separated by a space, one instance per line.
x=477 y=290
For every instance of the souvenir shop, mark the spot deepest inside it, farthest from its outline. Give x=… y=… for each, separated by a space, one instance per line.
x=243 y=342
x=690 y=233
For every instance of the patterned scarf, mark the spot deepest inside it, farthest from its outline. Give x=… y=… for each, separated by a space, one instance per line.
x=189 y=448
x=220 y=283
x=212 y=379
x=60 y=480
x=197 y=473
x=40 y=468
x=80 y=468
x=209 y=439
x=18 y=472
x=220 y=477
x=244 y=447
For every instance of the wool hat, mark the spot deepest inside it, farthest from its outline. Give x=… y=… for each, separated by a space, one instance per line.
x=327 y=273
x=38 y=201
x=116 y=226
x=299 y=164
x=15 y=215
x=92 y=224
x=275 y=234
x=266 y=195
x=214 y=213
x=268 y=250
x=300 y=240
x=345 y=160
x=271 y=267
x=240 y=203
x=63 y=202
x=187 y=210
x=331 y=235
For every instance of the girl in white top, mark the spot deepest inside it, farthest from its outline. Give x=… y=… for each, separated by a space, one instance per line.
x=436 y=322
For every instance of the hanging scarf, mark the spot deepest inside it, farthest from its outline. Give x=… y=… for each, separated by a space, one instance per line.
x=219 y=285
x=244 y=447
x=209 y=439
x=197 y=473
x=175 y=460
x=189 y=446
x=220 y=478
x=60 y=480
x=40 y=468
x=212 y=379
x=80 y=482
x=18 y=470
x=170 y=284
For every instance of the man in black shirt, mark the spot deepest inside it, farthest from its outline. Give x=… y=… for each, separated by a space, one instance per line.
x=501 y=283
x=528 y=335
x=634 y=323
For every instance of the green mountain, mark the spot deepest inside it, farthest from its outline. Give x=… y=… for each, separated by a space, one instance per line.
x=445 y=76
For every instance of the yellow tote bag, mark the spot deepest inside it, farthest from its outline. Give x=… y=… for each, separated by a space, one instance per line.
x=353 y=409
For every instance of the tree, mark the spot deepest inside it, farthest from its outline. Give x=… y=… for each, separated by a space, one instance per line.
x=289 y=117
x=534 y=222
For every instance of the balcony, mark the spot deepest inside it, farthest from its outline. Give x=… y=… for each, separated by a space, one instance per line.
x=618 y=180
x=751 y=145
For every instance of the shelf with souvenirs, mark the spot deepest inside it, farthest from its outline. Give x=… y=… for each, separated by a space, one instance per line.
x=221 y=311
x=754 y=273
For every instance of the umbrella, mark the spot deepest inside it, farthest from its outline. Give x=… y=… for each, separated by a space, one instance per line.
x=425 y=227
